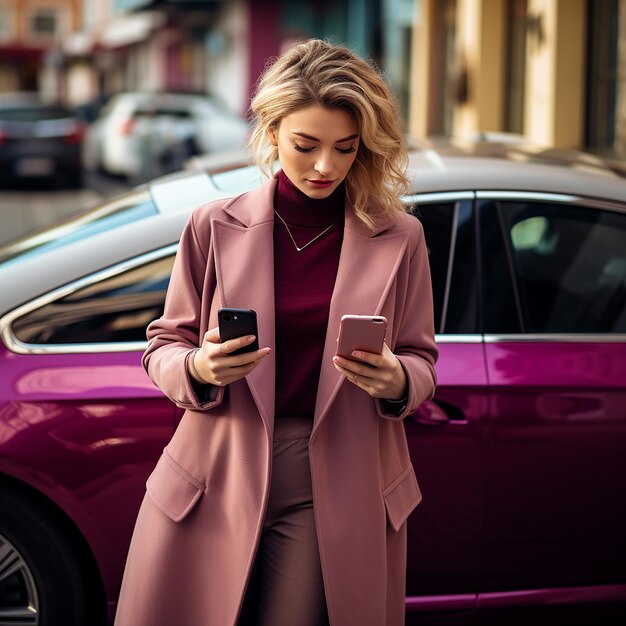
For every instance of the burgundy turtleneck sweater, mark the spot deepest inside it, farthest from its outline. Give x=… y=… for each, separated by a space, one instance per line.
x=303 y=283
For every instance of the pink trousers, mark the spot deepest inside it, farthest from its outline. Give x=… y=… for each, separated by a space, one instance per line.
x=286 y=586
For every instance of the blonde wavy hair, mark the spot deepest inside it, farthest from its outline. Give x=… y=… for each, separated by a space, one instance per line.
x=317 y=72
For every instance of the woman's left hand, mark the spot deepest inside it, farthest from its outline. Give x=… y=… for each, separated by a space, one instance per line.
x=380 y=375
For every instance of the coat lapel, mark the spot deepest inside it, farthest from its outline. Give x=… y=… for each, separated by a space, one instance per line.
x=368 y=264
x=244 y=262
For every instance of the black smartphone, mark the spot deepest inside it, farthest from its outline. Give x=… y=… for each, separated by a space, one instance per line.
x=235 y=323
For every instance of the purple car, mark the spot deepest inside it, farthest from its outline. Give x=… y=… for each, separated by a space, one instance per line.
x=521 y=455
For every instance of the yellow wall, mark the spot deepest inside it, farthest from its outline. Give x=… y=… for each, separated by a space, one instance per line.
x=555 y=73
x=480 y=53
x=421 y=86
x=555 y=70
x=479 y=59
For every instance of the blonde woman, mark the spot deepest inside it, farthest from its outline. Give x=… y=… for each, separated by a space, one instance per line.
x=282 y=498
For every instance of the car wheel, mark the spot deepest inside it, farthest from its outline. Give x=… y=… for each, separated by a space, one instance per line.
x=76 y=180
x=42 y=581
x=68 y=180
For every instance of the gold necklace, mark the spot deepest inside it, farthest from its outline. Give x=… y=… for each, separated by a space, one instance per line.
x=298 y=248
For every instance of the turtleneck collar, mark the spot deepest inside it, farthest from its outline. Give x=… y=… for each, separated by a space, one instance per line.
x=297 y=209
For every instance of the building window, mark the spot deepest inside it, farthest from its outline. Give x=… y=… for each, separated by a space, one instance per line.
x=515 y=66
x=447 y=68
x=47 y=22
x=397 y=25
x=606 y=63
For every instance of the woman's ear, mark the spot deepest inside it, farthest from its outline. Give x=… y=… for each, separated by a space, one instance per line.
x=271 y=135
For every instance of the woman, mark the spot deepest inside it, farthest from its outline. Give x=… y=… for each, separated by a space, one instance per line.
x=283 y=495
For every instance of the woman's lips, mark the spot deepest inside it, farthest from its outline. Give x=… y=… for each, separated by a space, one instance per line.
x=321 y=183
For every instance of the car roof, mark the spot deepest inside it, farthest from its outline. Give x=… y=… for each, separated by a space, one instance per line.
x=462 y=165
x=433 y=169
x=183 y=191
x=13 y=97
x=160 y=97
x=453 y=165
x=25 y=99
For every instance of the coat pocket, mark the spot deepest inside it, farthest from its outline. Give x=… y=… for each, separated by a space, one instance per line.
x=174 y=490
x=401 y=496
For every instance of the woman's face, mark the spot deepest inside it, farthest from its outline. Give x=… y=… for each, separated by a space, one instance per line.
x=316 y=148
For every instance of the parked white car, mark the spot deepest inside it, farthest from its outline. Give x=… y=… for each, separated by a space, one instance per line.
x=143 y=135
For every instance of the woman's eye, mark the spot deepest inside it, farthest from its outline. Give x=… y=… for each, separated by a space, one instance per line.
x=301 y=148
x=349 y=150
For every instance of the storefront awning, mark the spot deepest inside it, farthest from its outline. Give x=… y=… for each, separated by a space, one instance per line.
x=130 y=28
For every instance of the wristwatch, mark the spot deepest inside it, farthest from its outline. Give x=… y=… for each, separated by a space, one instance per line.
x=396 y=406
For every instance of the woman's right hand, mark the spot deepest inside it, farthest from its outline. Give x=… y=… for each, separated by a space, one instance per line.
x=213 y=364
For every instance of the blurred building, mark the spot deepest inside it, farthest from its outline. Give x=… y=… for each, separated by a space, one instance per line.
x=31 y=37
x=551 y=70
x=222 y=46
x=146 y=46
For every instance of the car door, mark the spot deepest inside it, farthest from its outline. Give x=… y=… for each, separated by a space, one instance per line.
x=82 y=422
x=447 y=434
x=555 y=314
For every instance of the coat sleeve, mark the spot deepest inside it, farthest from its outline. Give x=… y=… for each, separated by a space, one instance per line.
x=415 y=345
x=173 y=337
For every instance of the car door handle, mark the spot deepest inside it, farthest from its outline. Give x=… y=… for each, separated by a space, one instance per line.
x=437 y=413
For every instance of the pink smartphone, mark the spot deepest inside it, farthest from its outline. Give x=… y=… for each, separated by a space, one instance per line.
x=361 y=332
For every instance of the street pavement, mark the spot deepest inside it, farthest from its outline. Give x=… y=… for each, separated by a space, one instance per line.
x=30 y=206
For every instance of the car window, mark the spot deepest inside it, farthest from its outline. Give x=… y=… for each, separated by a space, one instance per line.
x=461 y=303
x=437 y=219
x=176 y=113
x=108 y=107
x=112 y=310
x=118 y=309
x=119 y=212
x=449 y=234
x=33 y=114
x=569 y=266
x=501 y=311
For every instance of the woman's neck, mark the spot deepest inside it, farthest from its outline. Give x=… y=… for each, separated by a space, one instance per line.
x=297 y=209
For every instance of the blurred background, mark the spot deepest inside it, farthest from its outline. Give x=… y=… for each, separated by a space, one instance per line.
x=521 y=451
x=99 y=95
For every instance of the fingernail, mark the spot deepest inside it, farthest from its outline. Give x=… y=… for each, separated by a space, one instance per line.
x=335 y=359
x=268 y=350
x=356 y=354
x=251 y=338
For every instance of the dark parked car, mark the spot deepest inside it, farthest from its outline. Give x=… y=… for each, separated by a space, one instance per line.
x=39 y=140
x=520 y=455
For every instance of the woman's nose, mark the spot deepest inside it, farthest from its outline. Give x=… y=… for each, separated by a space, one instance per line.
x=324 y=165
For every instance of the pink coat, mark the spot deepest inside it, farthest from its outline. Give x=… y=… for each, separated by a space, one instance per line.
x=199 y=525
